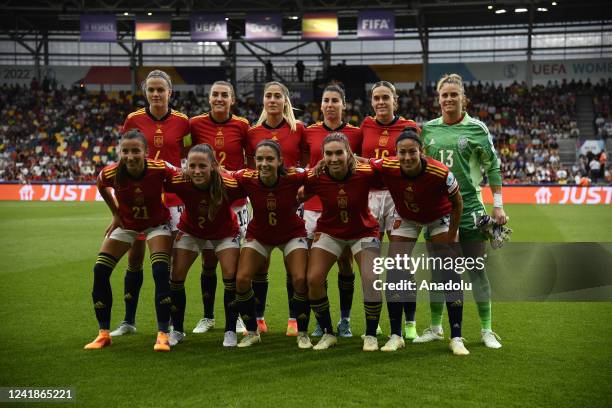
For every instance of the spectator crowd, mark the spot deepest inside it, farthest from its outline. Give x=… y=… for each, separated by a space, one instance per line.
x=68 y=135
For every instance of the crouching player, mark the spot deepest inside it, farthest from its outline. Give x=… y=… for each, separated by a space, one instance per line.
x=426 y=195
x=272 y=190
x=343 y=186
x=138 y=183
x=208 y=221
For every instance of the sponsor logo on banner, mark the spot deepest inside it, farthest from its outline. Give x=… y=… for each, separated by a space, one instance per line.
x=98 y=28
x=208 y=27
x=376 y=24
x=542 y=195
x=263 y=26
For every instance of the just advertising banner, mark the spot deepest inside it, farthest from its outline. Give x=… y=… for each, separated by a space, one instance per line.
x=208 y=27
x=98 y=28
x=598 y=195
x=376 y=24
x=263 y=27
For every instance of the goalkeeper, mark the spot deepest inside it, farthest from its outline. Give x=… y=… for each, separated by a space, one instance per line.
x=464 y=144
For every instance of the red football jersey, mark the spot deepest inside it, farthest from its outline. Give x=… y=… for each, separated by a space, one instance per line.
x=274 y=221
x=424 y=198
x=140 y=204
x=194 y=220
x=228 y=138
x=345 y=212
x=167 y=138
x=313 y=140
x=379 y=139
x=291 y=143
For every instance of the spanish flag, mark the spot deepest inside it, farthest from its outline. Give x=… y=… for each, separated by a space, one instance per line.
x=153 y=29
x=320 y=26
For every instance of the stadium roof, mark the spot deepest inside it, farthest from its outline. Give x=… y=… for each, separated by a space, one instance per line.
x=37 y=16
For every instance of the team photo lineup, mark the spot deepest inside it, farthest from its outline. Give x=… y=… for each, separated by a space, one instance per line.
x=357 y=184
x=325 y=203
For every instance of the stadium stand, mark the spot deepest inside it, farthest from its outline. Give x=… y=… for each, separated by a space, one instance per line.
x=67 y=135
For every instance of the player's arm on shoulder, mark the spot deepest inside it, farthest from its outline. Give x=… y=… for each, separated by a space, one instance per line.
x=456 y=200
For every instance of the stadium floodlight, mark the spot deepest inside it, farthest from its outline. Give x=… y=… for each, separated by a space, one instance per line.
x=500 y=11
x=542 y=9
x=149 y=14
x=126 y=14
x=490 y=7
x=293 y=17
x=554 y=3
x=520 y=10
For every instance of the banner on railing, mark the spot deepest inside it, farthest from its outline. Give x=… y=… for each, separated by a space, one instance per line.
x=598 y=195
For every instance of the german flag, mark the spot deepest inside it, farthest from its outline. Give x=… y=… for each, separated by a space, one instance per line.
x=157 y=29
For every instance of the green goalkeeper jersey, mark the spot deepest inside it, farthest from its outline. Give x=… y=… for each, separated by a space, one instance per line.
x=465 y=148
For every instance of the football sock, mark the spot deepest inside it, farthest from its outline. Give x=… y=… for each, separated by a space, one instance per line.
x=102 y=294
x=208 y=286
x=372 y=315
x=346 y=286
x=484 y=312
x=179 y=300
x=395 y=316
x=481 y=289
x=455 y=316
x=245 y=303
x=229 y=295
x=132 y=284
x=320 y=308
x=290 y=292
x=260 y=288
x=160 y=263
x=302 y=310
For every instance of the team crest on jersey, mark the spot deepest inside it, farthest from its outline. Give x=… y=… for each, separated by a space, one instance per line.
x=219 y=139
x=139 y=200
x=409 y=194
x=158 y=140
x=397 y=223
x=271 y=202
x=462 y=143
x=384 y=138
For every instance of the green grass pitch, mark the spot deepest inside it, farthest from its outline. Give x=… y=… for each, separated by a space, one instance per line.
x=554 y=354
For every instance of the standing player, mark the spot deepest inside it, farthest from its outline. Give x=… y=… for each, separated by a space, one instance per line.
x=276 y=122
x=346 y=221
x=137 y=208
x=227 y=134
x=208 y=220
x=333 y=103
x=167 y=134
x=464 y=144
x=379 y=134
x=426 y=195
x=273 y=191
